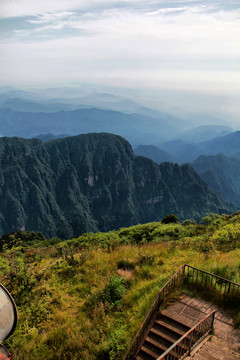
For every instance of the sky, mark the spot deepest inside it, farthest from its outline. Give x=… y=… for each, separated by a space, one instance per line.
x=185 y=52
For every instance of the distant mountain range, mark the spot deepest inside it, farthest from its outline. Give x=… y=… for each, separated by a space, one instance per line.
x=93 y=182
x=141 y=126
x=18 y=104
x=54 y=100
x=204 y=133
x=183 y=151
x=221 y=171
x=154 y=153
x=136 y=128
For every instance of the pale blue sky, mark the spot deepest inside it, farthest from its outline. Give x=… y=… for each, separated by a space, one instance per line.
x=189 y=46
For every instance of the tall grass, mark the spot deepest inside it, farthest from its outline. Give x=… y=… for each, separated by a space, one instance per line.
x=85 y=298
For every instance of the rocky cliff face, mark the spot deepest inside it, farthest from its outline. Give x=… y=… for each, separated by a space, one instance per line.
x=93 y=182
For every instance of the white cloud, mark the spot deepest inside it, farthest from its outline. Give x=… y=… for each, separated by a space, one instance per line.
x=21 y=8
x=16 y=8
x=50 y=17
x=190 y=47
x=167 y=10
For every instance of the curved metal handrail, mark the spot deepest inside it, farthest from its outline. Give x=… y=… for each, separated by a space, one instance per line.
x=152 y=311
x=183 y=272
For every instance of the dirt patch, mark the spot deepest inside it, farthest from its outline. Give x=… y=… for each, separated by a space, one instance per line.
x=128 y=274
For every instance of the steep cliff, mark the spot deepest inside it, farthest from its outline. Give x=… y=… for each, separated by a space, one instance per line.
x=93 y=182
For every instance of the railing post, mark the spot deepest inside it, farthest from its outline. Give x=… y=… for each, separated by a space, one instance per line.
x=190 y=343
x=213 y=318
x=177 y=279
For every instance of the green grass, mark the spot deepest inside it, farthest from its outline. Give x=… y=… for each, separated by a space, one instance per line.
x=85 y=298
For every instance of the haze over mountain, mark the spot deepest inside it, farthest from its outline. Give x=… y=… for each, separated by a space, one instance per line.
x=204 y=133
x=154 y=153
x=96 y=112
x=93 y=182
x=24 y=105
x=183 y=151
x=112 y=98
x=136 y=128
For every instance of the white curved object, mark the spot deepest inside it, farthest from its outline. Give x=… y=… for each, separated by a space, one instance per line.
x=8 y=314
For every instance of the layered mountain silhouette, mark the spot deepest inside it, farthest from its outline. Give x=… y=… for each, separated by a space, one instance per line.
x=93 y=182
x=154 y=153
x=204 y=133
x=183 y=151
x=136 y=128
x=222 y=174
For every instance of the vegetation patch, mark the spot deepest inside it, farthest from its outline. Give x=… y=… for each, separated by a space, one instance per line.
x=85 y=298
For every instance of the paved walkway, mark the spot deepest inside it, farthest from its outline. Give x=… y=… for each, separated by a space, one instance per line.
x=190 y=311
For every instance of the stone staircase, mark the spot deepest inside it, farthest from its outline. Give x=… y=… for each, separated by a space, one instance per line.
x=163 y=334
x=178 y=319
x=184 y=329
x=216 y=349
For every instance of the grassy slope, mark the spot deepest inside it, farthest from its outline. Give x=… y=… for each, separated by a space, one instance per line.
x=73 y=302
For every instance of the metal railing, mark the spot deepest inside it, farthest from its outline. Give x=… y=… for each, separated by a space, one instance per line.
x=183 y=346
x=190 y=275
x=161 y=297
x=207 y=280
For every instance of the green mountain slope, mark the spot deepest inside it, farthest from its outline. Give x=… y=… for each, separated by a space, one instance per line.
x=93 y=182
x=222 y=174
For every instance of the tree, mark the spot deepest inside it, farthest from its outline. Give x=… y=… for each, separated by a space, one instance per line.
x=170 y=219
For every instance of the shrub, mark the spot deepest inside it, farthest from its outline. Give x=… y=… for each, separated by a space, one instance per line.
x=228 y=238
x=170 y=219
x=203 y=244
x=18 y=237
x=170 y=232
x=138 y=233
x=114 y=291
x=111 y=295
x=209 y=219
x=188 y=222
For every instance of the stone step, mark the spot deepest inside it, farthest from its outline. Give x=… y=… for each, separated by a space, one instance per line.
x=216 y=349
x=163 y=334
x=199 y=357
x=144 y=356
x=224 y=345
x=155 y=341
x=166 y=333
x=170 y=322
x=150 y=352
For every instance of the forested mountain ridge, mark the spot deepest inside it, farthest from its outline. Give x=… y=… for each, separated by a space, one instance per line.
x=93 y=182
x=183 y=151
x=222 y=174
